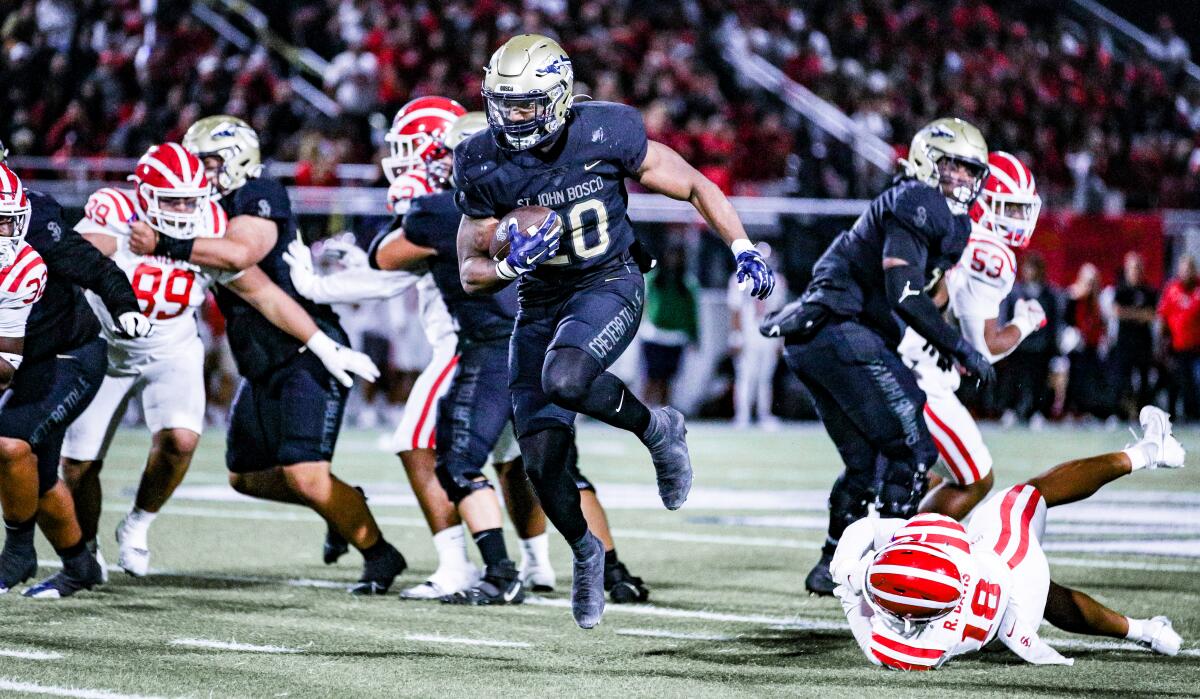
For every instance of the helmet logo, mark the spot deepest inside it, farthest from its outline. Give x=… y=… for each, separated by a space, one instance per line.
x=940 y=131
x=225 y=130
x=557 y=66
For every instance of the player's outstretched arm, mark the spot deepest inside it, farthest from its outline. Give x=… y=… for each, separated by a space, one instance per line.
x=395 y=252
x=666 y=172
x=259 y=291
x=246 y=242
x=346 y=286
x=475 y=266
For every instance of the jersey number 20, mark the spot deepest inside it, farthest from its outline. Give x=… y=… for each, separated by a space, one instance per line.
x=587 y=229
x=157 y=288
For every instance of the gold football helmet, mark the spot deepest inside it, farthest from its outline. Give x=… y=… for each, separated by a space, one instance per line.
x=234 y=142
x=937 y=149
x=527 y=87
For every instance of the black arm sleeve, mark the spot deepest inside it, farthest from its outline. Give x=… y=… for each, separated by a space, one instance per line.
x=77 y=260
x=905 y=290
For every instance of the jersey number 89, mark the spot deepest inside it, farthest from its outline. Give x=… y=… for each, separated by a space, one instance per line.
x=587 y=230
x=168 y=291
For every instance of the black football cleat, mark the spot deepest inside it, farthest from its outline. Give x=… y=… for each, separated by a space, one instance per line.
x=667 y=441
x=82 y=573
x=336 y=545
x=587 y=585
x=819 y=581
x=16 y=566
x=379 y=574
x=622 y=587
x=500 y=584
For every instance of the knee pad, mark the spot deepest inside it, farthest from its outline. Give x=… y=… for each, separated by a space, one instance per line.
x=458 y=484
x=848 y=501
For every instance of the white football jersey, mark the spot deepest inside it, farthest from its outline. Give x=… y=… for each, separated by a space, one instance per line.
x=21 y=285
x=169 y=291
x=436 y=320
x=977 y=285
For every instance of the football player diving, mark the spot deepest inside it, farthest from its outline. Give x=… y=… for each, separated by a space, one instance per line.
x=581 y=290
x=840 y=337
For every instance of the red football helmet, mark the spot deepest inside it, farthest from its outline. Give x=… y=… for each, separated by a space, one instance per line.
x=1009 y=204
x=405 y=188
x=932 y=528
x=415 y=139
x=913 y=581
x=14 y=208
x=171 y=190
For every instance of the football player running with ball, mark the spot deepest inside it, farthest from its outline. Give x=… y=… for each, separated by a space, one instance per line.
x=920 y=592
x=581 y=290
x=288 y=410
x=1002 y=218
x=172 y=196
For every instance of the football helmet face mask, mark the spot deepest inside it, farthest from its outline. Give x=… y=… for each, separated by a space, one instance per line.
x=1009 y=204
x=15 y=212
x=415 y=139
x=171 y=190
x=951 y=155
x=232 y=141
x=913 y=582
x=528 y=87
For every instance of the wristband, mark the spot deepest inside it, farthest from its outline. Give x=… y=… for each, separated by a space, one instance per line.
x=174 y=248
x=13 y=359
x=741 y=245
x=505 y=271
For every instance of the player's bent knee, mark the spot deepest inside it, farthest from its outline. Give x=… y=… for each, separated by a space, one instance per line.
x=74 y=471
x=14 y=450
x=177 y=442
x=240 y=483
x=307 y=479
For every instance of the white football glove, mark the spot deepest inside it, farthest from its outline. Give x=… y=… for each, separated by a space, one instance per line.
x=347 y=253
x=346 y=286
x=341 y=361
x=299 y=260
x=133 y=325
x=1028 y=316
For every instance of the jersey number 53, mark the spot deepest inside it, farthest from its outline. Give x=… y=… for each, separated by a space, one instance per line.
x=163 y=293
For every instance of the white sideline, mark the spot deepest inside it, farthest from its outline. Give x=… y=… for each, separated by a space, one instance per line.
x=30 y=654
x=11 y=685
x=231 y=645
x=425 y=638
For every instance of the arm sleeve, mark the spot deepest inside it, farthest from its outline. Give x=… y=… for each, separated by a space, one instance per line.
x=354 y=285
x=69 y=255
x=904 y=285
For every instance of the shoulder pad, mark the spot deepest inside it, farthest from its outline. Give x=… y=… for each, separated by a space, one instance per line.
x=922 y=209
x=111 y=208
x=23 y=282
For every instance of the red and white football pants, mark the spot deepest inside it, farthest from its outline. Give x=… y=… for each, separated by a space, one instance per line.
x=417 y=429
x=965 y=456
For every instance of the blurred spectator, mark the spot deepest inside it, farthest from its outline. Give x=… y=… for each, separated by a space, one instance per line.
x=1134 y=305
x=1023 y=388
x=670 y=324
x=756 y=356
x=1087 y=338
x=1180 y=312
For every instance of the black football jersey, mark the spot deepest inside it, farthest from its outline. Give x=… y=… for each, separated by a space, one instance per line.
x=257 y=345
x=432 y=222
x=909 y=221
x=581 y=177
x=62 y=319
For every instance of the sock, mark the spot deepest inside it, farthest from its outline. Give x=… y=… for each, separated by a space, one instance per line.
x=376 y=551
x=582 y=547
x=75 y=558
x=610 y=558
x=1140 y=455
x=451 y=545
x=534 y=550
x=137 y=528
x=491 y=545
x=19 y=535
x=1137 y=628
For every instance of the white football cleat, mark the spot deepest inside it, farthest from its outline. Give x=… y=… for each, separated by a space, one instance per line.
x=94 y=547
x=1156 y=431
x=1161 y=637
x=444 y=581
x=538 y=576
x=133 y=559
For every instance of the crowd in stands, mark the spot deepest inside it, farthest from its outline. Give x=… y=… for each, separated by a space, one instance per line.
x=1092 y=116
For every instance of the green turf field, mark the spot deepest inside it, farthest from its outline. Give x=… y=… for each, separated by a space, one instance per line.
x=727 y=616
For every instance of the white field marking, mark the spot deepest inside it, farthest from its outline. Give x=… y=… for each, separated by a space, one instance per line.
x=30 y=654
x=231 y=645
x=1183 y=548
x=425 y=638
x=11 y=685
x=677 y=635
x=650 y=610
x=1081 y=644
x=254 y=579
x=1125 y=565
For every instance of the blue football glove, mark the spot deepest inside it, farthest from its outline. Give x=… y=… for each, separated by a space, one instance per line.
x=752 y=267
x=526 y=252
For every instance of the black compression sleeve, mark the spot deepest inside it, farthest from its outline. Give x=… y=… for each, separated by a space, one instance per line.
x=82 y=263
x=174 y=248
x=905 y=290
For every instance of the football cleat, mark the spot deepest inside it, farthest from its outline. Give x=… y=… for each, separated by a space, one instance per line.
x=71 y=579
x=445 y=581
x=1164 y=450
x=820 y=581
x=1161 y=636
x=16 y=567
x=666 y=440
x=336 y=545
x=94 y=547
x=379 y=574
x=501 y=584
x=622 y=587
x=587 y=586
x=133 y=559
x=538 y=576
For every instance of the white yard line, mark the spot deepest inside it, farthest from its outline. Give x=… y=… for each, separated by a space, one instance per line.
x=231 y=645
x=676 y=635
x=667 y=612
x=425 y=638
x=1082 y=644
x=30 y=654
x=11 y=685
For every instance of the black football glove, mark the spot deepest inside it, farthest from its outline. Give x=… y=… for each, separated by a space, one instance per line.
x=975 y=363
